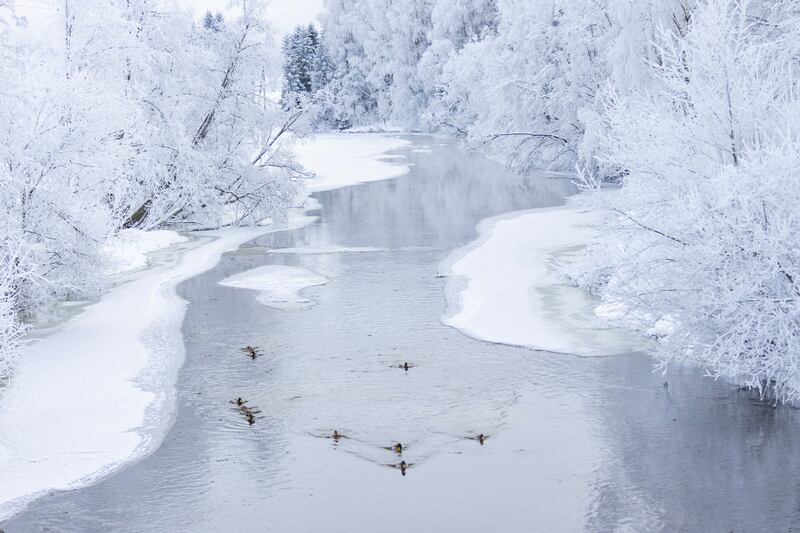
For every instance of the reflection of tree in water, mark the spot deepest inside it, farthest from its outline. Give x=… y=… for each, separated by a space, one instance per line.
x=437 y=203
x=696 y=456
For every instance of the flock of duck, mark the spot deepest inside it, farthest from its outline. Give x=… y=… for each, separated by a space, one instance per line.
x=250 y=414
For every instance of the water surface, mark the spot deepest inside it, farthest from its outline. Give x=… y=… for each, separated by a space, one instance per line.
x=574 y=444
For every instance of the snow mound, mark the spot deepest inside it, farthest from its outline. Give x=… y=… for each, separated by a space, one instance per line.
x=507 y=287
x=376 y=128
x=342 y=160
x=279 y=286
x=129 y=248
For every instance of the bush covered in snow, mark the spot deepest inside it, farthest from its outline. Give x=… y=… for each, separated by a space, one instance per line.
x=705 y=232
x=130 y=114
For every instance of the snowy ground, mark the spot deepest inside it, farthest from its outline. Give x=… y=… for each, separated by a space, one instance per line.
x=506 y=287
x=130 y=248
x=338 y=160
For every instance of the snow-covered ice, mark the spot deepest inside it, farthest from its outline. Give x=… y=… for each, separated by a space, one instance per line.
x=339 y=160
x=99 y=391
x=279 y=286
x=506 y=287
x=129 y=248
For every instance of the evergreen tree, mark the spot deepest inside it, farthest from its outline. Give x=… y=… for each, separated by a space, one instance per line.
x=213 y=22
x=306 y=67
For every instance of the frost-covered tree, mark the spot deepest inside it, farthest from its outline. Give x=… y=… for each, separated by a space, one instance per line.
x=213 y=22
x=529 y=94
x=205 y=94
x=376 y=48
x=306 y=64
x=454 y=25
x=298 y=50
x=701 y=242
x=129 y=113
x=351 y=98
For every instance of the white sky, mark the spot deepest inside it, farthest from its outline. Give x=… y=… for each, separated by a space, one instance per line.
x=283 y=14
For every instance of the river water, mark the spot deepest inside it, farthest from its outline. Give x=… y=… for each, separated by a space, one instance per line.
x=574 y=444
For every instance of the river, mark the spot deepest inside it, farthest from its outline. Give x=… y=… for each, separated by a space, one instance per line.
x=574 y=444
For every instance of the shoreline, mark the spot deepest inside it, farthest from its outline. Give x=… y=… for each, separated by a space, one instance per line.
x=97 y=392
x=92 y=414
x=504 y=287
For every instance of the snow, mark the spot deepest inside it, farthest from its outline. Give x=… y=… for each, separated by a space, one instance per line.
x=340 y=160
x=129 y=248
x=99 y=391
x=377 y=128
x=506 y=287
x=279 y=286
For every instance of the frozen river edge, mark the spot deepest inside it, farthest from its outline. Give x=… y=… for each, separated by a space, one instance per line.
x=506 y=286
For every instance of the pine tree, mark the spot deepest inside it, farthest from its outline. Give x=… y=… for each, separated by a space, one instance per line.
x=213 y=22
x=306 y=67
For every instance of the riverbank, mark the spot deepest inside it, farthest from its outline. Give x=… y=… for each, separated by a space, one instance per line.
x=96 y=392
x=508 y=285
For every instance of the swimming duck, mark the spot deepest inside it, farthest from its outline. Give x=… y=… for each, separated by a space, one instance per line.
x=403 y=467
x=481 y=438
x=337 y=435
x=252 y=351
x=398 y=448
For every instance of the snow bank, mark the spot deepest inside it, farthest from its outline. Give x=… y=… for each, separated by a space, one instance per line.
x=279 y=285
x=506 y=287
x=129 y=248
x=377 y=128
x=99 y=391
x=340 y=160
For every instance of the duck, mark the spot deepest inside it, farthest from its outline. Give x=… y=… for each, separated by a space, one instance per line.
x=252 y=351
x=403 y=467
x=481 y=438
x=337 y=435
x=398 y=448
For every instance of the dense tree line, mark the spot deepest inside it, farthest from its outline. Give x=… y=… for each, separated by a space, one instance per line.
x=691 y=106
x=132 y=114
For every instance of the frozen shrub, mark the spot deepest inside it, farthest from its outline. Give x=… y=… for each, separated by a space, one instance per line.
x=705 y=231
